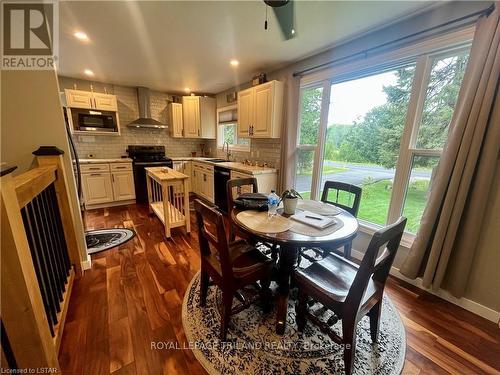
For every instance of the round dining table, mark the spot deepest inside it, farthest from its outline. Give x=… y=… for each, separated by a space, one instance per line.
x=290 y=243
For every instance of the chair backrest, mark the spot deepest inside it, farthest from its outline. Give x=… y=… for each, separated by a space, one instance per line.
x=353 y=198
x=211 y=231
x=375 y=267
x=238 y=183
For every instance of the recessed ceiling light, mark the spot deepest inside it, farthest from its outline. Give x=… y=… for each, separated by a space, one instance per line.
x=234 y=62
x=89 y=72
x=80 y=35
x=187 y=89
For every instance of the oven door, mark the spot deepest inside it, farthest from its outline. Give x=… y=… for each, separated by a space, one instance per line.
x=141 y=189
x=92 y=120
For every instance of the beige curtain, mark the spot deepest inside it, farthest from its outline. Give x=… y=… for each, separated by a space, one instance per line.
x=444 y=248
x=289 y=137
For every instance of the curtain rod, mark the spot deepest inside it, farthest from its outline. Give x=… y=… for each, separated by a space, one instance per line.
x=486 y=12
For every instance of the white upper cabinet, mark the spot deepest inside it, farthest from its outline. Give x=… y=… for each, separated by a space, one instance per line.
x=105 y=102
x=245 y=112
x=175 y=120
x=260 y=111
x=90 y=100
x=78 y=99
x=191 y=116
x=199 y=116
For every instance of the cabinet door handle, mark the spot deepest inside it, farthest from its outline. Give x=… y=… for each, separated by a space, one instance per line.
x=113 y=177
x=94 y=168
x=198 y=132
x=96 y=174
x=120 y=167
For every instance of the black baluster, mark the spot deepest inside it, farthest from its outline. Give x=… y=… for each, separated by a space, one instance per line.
x=52 y=253
x=42 y=278
x=47 y=253
x=60 y=230
x=60 y=242
x=54 y=301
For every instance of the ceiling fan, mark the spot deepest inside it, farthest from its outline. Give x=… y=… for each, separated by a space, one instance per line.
x=284 y=11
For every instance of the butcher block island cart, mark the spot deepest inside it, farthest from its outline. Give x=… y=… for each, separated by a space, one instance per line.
x=168 y=197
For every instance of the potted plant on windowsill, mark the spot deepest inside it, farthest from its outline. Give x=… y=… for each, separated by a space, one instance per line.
x=290 y=199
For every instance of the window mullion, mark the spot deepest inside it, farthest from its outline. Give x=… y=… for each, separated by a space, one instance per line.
x=403 y=165
x=318 y=155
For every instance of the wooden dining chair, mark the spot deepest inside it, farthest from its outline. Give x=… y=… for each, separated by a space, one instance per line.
x=349 y=291
x=234 y=188
x=230 y=265
x=345 y=196
x=349 y=200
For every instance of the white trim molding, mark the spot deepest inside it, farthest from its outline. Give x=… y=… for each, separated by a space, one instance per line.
x=465 y=303
x=86 y=264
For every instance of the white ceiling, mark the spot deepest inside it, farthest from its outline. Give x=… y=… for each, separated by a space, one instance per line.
x=170 y=45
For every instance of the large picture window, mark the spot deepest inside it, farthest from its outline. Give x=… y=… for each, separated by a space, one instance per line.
x=383 y=131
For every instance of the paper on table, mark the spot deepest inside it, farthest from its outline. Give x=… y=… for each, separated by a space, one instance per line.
x=312 y=219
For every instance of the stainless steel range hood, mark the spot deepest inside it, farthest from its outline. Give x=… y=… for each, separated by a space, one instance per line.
x=145 y=120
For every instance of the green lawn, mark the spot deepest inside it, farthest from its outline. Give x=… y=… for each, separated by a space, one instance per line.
x=376 y=198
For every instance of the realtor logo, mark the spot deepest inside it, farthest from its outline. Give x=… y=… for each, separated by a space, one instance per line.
x=30 y=35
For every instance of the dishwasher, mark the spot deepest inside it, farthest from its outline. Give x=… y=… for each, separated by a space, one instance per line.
x=221 y=177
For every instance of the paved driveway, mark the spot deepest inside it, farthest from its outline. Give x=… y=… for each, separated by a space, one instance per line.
x=355 y=174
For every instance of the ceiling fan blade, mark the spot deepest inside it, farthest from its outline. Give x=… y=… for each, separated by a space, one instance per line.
x=286 y=19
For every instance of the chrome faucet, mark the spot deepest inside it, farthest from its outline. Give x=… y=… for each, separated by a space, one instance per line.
x=228 y=153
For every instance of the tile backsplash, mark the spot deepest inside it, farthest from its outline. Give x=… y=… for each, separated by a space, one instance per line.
x=113 y=146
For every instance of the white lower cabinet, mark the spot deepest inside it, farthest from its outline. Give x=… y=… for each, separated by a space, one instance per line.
x=105 y=184
x=123 y=185
x=203 y=180
x=185 y=166
x=97 y=188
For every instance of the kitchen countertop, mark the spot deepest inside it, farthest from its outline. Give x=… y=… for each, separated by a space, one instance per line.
x=165 y=174
x=97 y=161
x=235 y=166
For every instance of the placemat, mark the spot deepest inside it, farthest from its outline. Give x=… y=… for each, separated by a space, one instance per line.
x=317 y=207
x=260 y=221
x=308 y=230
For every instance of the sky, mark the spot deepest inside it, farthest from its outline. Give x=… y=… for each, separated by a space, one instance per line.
x=351 y=100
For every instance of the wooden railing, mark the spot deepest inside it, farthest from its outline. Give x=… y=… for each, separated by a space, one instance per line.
x=38 y=263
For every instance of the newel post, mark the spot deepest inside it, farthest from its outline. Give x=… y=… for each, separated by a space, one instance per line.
x=50 y=155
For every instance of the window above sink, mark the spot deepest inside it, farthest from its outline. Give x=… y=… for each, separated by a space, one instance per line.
x=227 y=130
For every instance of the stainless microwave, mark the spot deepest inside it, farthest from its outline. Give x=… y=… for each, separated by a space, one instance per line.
x=92 y=120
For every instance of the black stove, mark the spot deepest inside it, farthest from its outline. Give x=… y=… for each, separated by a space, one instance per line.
x=145 y=156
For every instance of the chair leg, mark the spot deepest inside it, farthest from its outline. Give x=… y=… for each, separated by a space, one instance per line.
x=347 y=250
x=300 y=310
x=204 y=281
x=349 y=338
x=227 y=303
x=265 y=295
x=374 y=315
x=274 y=252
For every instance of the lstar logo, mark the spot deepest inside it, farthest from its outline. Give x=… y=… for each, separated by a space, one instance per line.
x=29 y=35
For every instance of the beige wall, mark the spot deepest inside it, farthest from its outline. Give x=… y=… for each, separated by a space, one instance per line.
x=32 y=117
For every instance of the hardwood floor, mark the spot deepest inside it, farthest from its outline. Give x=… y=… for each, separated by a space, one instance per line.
x=133 y=295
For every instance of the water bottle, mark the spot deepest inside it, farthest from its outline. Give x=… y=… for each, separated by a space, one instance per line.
x=272 y=203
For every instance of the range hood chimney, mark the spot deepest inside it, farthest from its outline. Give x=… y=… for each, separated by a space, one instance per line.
x=145 y=120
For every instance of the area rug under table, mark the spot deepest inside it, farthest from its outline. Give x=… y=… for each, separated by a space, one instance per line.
x=253 y=347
